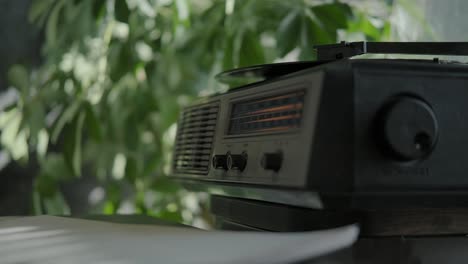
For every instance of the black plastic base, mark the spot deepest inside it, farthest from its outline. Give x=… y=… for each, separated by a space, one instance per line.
x=274 y=217
x=385 y=236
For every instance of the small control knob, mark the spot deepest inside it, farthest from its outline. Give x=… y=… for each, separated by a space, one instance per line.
x=408 y=128
x=272 y=161
x=219 y=162
x=236 y=162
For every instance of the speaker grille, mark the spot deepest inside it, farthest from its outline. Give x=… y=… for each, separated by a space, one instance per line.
x=194 y=139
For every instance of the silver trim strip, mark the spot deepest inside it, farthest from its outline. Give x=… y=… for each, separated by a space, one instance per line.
x=307 y=199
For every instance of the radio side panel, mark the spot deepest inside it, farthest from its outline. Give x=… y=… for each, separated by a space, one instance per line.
x=443 y=168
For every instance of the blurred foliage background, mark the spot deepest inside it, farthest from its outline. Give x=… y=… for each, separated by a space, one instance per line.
x=97 y=114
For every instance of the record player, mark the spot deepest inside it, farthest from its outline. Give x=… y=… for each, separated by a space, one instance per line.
x=309 y=145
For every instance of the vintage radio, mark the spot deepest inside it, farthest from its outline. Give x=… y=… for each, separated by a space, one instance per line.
x=338 y=133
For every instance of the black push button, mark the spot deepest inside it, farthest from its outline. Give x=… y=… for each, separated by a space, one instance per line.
x=236 y=162
x=272 y=161
x=219 y=162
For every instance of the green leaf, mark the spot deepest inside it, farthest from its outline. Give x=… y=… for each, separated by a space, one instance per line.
x=53 y=171
x=312 y=33
x=46 y=186
x=183 y=12
x=99 y=8
x=8 y=116
x=333 y=16
x=171 y=216
x=386 y=31
x=72 y=144
x=93 y=125
x=228 y=53
x=18 y=76
x=72 y=11
x=166 y=185
x=52 y=24
x=13 y=138
x=251 y=51
x=83 y=22
x=42 y=144
x=120 y=57
x=169 y=112
x=121 y=11
x=39 y=9
x=109 y=208
x=113 y=195
x=37 y=207
x=363 y=24
x=67 y=115
x=152 y=164
x=288 y=33
x=35 y=116
x=131 y=133
x=131 y=169
x=55 y=167
x=56 y=205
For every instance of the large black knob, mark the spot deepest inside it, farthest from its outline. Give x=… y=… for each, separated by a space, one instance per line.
x=272 y=161
x=236 y=162
x=408 y=128
x=219 y=162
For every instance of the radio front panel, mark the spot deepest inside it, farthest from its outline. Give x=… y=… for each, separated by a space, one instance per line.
x=263 y=135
